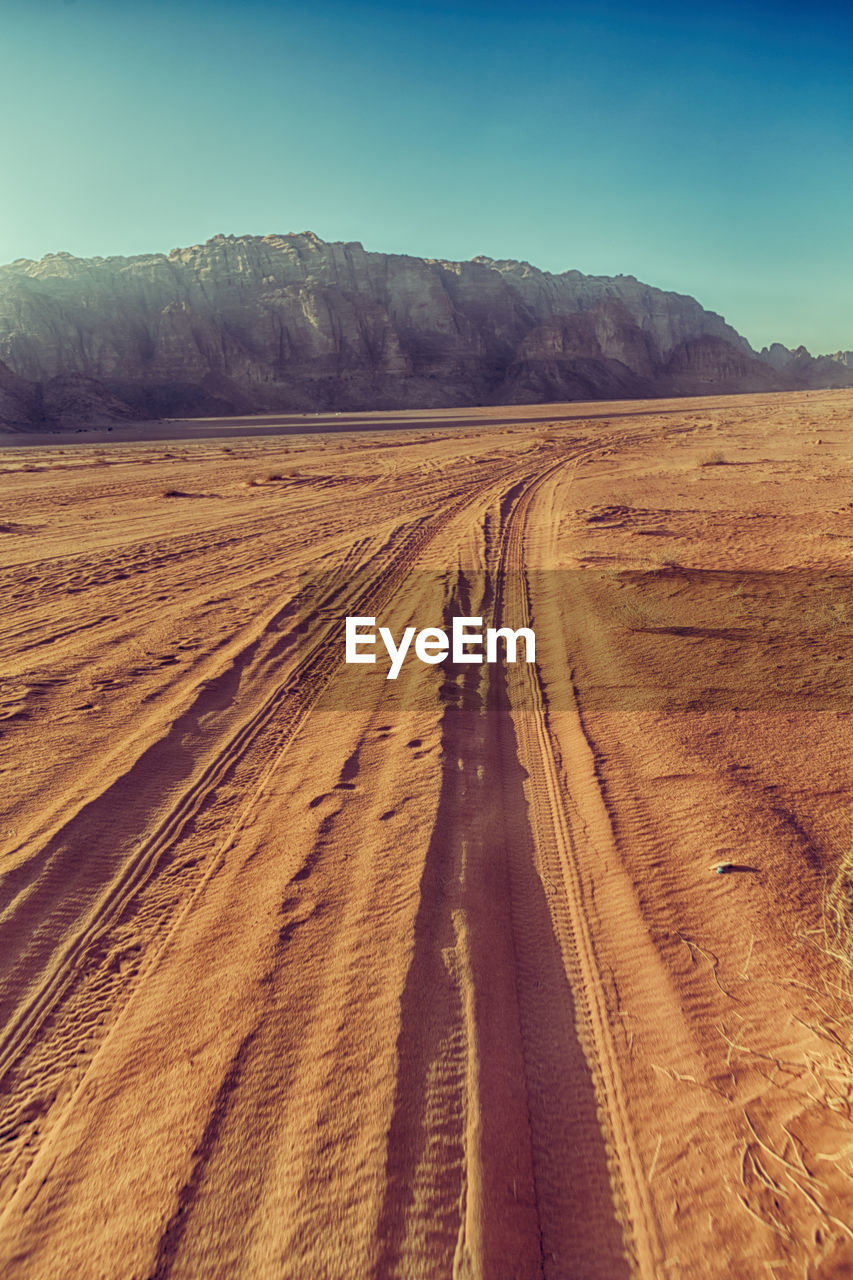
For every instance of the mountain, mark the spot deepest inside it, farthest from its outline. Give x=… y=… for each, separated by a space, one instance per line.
x=259 y=323
x=806 y=371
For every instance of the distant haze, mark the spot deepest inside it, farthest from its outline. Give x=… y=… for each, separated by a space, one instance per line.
x=706 y=151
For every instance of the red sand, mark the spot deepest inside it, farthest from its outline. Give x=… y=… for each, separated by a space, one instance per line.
x=405 y=990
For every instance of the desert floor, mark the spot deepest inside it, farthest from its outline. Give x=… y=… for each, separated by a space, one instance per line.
x=304 y=974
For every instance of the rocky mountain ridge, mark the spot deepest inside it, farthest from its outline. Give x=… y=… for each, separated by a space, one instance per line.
x=290 y=322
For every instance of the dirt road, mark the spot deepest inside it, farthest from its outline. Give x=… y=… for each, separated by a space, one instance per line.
x=304 y=975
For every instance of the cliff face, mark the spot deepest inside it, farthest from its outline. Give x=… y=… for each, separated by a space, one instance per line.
x=290 y=322
x=20 y=401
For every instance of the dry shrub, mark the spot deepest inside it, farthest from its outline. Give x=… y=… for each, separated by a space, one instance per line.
x=832 y=998
x=272 y=477
x=663 y=560
x=635 y=615
x=838 y=918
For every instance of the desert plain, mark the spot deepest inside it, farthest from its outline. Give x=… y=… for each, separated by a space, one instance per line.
x=313 y=976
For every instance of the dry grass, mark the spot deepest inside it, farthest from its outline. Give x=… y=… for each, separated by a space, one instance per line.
x=774 y=1169
x=272 y=477
x=635 y=615
x=662 y=560
x=838 y=919
x=833 y=998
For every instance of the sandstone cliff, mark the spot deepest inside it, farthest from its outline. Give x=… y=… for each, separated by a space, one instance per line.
x=249 y=323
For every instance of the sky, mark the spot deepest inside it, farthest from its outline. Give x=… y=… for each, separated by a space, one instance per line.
x=706 y=149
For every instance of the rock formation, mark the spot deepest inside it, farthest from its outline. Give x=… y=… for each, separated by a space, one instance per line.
x=803 y=370
x=243 y=324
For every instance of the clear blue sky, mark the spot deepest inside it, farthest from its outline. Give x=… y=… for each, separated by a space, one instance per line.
x=704 y=149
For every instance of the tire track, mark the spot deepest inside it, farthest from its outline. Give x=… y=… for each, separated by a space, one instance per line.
x=553 y=829
x=497 y=1163
x=38 y=906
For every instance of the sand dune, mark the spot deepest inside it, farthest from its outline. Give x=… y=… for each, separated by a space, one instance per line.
x=307 y=977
